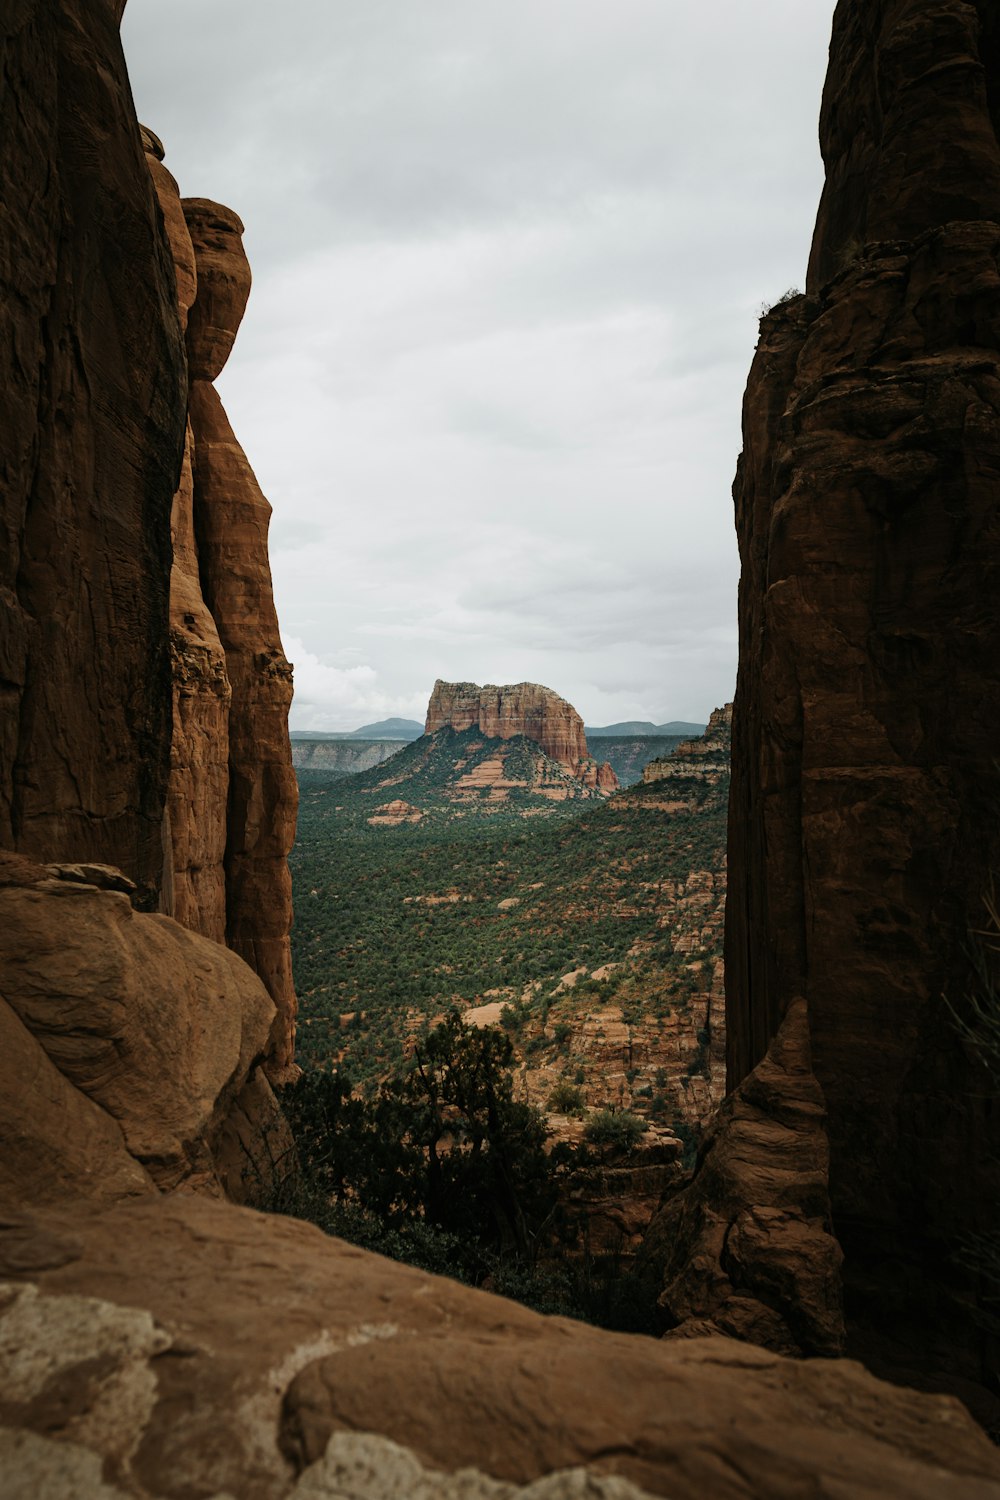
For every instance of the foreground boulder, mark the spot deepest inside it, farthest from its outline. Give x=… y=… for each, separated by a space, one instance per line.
x=130 y=1048
x=122 y=1348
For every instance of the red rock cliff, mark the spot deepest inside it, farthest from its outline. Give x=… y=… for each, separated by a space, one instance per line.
x=231 y=518
x=91 y=432
x=140 y=663
x=525 y=708
x=232 y=791
x=864 y=831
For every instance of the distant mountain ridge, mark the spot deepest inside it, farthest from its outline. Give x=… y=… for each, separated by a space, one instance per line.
x=646 y=729
x=390 y=729
x=402 y=730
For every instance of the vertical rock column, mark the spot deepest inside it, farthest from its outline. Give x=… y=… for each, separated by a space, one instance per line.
x=231 y=519
x=195 y=880
x=864 y=835
x=91 y=433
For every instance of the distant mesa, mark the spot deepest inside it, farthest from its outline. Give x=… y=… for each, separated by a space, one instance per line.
x=523 y=708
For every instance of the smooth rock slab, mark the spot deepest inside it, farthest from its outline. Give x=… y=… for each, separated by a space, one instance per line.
x=263 y=1340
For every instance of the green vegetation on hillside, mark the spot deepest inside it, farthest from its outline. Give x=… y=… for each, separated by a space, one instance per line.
x=396 y=924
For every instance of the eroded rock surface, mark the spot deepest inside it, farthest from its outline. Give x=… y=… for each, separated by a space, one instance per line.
x=525 y=708
x=184 y=1390
x=229 y=662
x=128 y=1044
x=746 y=1249
x=198 y=792
x=864 y=833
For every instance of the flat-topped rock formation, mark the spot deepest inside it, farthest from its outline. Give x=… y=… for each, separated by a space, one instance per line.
x=342 y=756
x=523 y=708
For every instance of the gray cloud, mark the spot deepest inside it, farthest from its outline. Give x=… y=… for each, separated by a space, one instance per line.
x=507 y=264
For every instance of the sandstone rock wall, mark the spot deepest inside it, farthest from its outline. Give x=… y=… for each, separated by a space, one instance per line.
x=523 y=708
x=198 y=791
x=864 y=828
x=231 y=518
x=91 y=432
x=232 y=791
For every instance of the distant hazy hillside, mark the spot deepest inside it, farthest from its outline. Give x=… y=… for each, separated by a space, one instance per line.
x=678 y=727
x=390 y=729
x=343 y=757
x=629 y=753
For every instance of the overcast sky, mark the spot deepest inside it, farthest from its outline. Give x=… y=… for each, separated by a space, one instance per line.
x=508 y=261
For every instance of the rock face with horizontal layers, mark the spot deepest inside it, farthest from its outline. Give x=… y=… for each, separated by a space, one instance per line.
x=525 y=708
x=864 y=830
x=91 y=431
x=228 y=543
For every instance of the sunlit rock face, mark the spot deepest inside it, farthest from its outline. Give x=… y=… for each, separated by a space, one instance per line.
x=91 y=432
x=864 y=835
x=523 y=708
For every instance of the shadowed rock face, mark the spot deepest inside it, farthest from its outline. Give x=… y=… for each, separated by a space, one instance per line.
x=525 y=708
x=91 y=432
x=746 y=1249
x=864 y=830
x=231 y=518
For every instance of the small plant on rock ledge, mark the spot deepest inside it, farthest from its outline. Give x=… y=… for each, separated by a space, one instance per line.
x=617 y=1128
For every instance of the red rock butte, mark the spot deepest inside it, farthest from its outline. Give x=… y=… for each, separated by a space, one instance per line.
x=524 y=708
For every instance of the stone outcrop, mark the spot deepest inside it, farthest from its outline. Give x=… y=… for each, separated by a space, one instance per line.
x=525 y=708
x=130 y=1048
x=101 y=603
x=231 y=518
x=746 y=1249
x=704 y=760
x=119 y=1357
x=864 y=833
x=91 y=432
